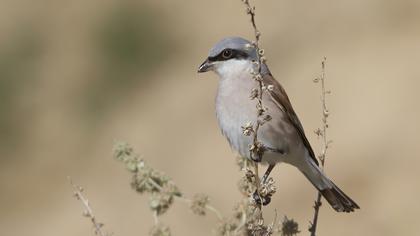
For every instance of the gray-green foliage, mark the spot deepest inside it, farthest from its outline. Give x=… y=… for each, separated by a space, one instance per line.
x=147 y=180
x=245 y=220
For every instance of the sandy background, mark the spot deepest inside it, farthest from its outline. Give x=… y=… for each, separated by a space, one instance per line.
x=77 y=75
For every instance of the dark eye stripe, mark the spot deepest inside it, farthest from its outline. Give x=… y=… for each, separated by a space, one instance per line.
x=235 y=54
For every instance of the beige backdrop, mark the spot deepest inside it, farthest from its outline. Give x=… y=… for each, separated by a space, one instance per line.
x=77 y=75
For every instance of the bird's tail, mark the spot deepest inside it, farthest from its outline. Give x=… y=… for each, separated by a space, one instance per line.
x=334 y=196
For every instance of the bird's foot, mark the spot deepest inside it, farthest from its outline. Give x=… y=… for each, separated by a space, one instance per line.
x=256 y=158
x=264 y=200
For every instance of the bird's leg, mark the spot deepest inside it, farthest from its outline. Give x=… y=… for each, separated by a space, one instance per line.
x=256 y=158
x=267 y=173
x=265 y=200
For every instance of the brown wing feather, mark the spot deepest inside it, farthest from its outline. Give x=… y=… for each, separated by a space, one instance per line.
x=279 y=96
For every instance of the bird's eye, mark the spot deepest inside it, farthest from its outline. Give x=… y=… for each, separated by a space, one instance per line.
x=227 y=53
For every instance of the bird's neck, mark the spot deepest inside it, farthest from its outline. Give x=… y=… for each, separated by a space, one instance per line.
x=235 y=78
x=233 y=69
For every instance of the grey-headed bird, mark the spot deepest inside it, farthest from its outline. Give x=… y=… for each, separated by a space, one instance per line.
x=233 y=60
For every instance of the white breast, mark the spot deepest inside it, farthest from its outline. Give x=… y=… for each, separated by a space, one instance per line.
x=234 y=109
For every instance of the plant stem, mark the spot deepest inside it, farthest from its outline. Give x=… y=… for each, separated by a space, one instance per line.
x=325 y=145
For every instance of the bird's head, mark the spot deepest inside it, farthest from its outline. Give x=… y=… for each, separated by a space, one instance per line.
x=229 y=55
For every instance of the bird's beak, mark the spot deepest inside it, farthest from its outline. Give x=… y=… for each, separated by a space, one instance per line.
x=205 y=66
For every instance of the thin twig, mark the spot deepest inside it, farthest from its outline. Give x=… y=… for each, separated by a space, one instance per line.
x=215 y=211
x=325 y=114
x=325 y=143
x=257 y=149
x=251 y=12
x=156 y=185
x=314 y=223
x=155 y=217
x=88 y=212
x=273 y=223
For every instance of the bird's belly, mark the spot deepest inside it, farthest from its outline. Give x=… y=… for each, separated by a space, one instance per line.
x=234 y=113
x=231 y=119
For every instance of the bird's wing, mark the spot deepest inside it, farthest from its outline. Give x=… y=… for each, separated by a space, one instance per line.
x=280 y=98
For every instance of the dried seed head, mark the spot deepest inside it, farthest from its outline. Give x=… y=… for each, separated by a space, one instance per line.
x=267 y=118
x=249 y=175
x=246 y=186
x=289 y=227
x=160 y=202
x=260 y=109
x=160 y=230
x=258 y=77
x=254 y=94
x=263 y=59
x=257 y=149
x=268 y=188
x=248 y=129
x=199 y=203
x=318 y=132
x=225 y=227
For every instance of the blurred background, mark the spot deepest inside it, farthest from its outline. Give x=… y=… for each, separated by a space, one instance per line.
x=77 y=75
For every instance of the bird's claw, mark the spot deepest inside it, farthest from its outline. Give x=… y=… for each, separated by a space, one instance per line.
x=264 y=200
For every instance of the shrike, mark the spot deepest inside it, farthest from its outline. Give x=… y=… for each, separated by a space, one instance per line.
x=233 y=60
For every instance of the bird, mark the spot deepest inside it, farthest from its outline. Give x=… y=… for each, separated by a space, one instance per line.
x=233 y=59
